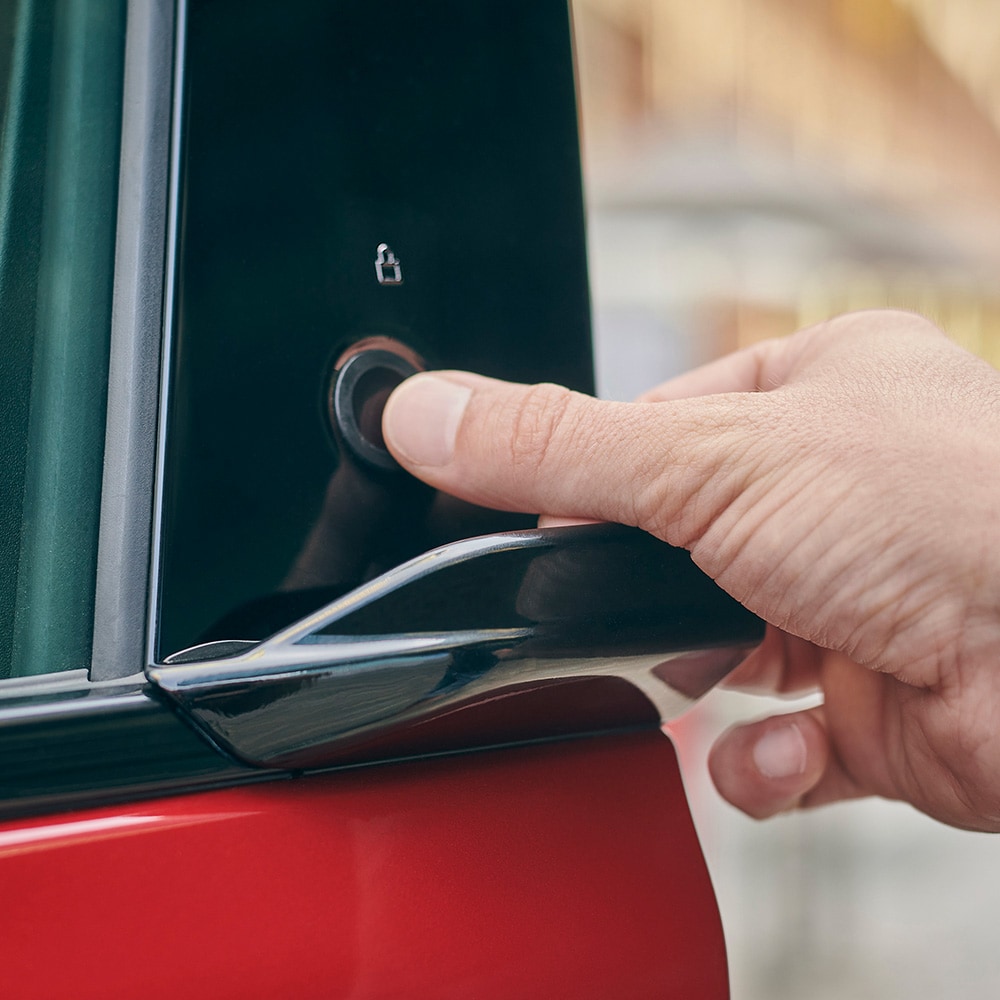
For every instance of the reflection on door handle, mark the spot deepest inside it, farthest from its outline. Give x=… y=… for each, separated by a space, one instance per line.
x=448 y=639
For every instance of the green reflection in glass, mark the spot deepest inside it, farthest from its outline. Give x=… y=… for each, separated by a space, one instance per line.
x=61 y=83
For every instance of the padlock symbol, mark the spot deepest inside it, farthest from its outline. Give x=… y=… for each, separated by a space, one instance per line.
x=387 y=267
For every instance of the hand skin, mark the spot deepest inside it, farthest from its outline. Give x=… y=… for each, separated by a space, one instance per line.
x=843 y=484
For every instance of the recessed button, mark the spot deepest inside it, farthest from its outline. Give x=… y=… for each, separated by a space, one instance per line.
x=361 y=386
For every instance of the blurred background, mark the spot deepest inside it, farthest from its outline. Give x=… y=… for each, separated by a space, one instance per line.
x=753 y=166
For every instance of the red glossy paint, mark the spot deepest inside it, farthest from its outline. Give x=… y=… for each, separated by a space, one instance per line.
x=564 y=870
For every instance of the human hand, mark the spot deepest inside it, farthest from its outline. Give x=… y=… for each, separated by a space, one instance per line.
x=843 y=484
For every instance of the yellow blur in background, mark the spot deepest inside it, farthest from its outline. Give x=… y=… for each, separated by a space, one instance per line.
x=756 y=165
x=752 y=167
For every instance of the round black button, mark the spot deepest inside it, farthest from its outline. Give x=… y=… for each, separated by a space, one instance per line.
x=360 y=390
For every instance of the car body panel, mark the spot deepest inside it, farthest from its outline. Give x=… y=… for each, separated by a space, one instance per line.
x=557 y=870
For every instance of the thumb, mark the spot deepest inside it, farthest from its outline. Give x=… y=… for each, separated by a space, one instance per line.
x=544 y=449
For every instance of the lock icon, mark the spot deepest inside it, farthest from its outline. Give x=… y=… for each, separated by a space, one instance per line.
x=387 y=267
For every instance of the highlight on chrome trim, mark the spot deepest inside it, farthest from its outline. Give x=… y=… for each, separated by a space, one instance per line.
x=476 y=623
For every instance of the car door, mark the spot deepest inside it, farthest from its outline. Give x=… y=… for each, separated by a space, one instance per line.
x=256 y=741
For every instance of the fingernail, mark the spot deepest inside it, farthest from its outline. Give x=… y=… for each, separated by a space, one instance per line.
x=422 y=417
x=781 y=753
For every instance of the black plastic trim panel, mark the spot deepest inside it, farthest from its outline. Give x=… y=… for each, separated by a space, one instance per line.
x=87 y=746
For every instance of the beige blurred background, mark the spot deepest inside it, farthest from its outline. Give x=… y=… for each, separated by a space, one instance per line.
x=753 y=166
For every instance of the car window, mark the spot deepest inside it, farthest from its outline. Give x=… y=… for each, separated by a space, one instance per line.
x=61 y=70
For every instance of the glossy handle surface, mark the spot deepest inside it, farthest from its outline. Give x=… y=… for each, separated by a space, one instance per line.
x=431 y=655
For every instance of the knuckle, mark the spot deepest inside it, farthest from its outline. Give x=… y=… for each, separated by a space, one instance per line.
x=695 y=481
x=535 y=424
x=728 y=463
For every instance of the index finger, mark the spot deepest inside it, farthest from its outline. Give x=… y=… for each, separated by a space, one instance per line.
x=748 y=370
x=782 y=664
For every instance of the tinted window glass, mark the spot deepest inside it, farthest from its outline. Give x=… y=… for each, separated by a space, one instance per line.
x=60 y=83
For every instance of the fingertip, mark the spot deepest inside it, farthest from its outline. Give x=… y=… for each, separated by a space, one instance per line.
x=767 y=767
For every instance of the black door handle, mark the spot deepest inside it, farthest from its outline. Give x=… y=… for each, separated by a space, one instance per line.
x=445 y=637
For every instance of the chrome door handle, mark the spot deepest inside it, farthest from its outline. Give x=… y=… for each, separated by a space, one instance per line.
x=437 y=644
